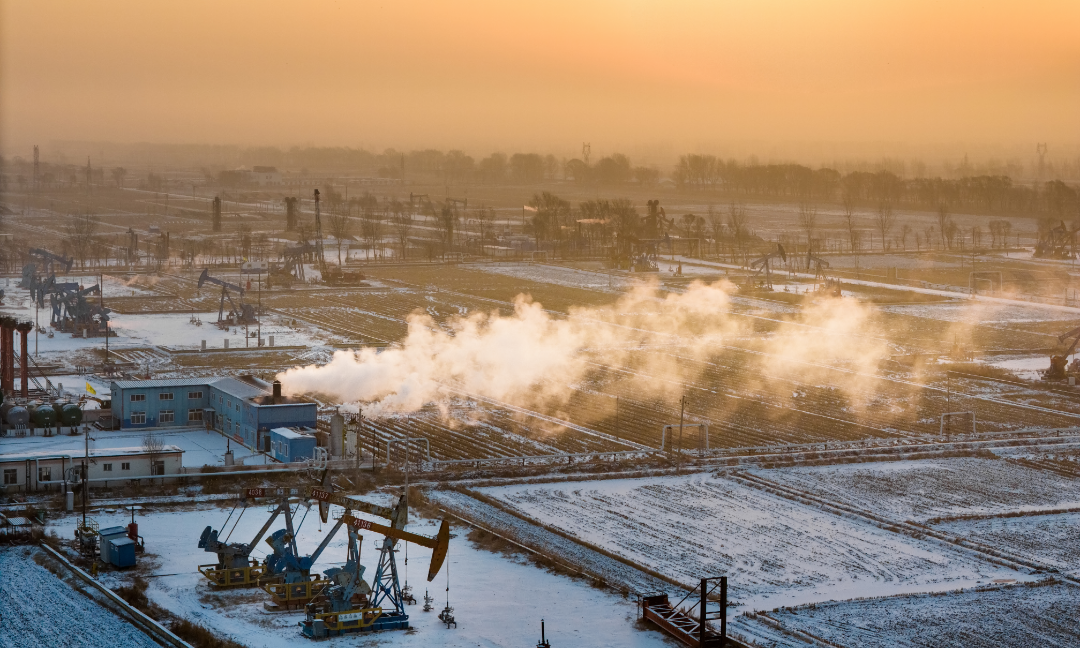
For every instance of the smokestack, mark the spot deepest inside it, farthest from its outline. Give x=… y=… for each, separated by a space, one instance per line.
x=24 y=328
x=9 y=355
x=5 y=341
x=277 y=392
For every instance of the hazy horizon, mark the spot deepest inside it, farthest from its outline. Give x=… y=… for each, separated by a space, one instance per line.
x=783 y=80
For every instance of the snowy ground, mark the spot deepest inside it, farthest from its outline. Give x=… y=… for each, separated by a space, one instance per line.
x=1008 y=616
x=569 y=277
x=981 y=312
x=498 y=601
x=776 y=551
x=173 y=330
x=1050 y=539
x=918 y=490
x=38 y=610
x=1028 y=368
x=201 y=448
x=114 y=286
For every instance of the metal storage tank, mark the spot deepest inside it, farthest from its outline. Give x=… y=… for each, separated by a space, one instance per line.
x=14 y=415
x=68 y=414
x=43 y=416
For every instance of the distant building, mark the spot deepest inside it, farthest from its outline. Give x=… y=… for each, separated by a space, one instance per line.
x=48 y=469
x=244 y=408
x=264 y=175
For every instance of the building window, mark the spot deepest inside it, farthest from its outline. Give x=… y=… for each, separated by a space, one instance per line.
x=44 y=473
x=195 y=395
x=229 y=403
x=165 y=396
x=157 y=468
x=138 y=398
x=125 y=465
x=194 y=416
x=138 y=418
x=11 y=476
x=238 y=407
x=107 y=467
x=166 y=416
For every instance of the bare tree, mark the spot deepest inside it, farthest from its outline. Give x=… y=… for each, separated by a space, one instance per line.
x=850 y=223
x=886 y=218
x=737 y=224
x=808 y=221
x=402 y=221
x=371 y=225
x=905 y=232
x=447 y=219
x=118 y=174
x=942 y=222
x=485 y=221
x=340 y=224
x=80 y=236
x=153 y=445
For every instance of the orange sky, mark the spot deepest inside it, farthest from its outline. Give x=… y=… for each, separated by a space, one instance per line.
x=544 y=75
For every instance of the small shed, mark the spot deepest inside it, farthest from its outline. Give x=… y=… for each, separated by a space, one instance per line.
x=121 y=552
x=105 y=538
x=289 y=445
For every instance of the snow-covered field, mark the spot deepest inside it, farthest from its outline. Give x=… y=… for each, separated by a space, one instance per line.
x=201 y=448
x=982 y=312
x=498 y=601
x=1028 y=368
x=1008 y=616
x=776 y=552
x=569 y=277
x=1050 y=539
x=919 y=490
x=175 y=330
x=38 y=610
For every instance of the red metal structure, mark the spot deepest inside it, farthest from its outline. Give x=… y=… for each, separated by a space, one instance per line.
x=24 y=329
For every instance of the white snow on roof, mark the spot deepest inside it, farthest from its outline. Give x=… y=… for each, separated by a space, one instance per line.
x=76 y=454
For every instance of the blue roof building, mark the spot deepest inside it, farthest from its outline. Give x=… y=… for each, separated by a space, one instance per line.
x=243 y=408
x=288 y=445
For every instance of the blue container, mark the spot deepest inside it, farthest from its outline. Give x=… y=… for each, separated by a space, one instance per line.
x=122 y=552
x=105 y=538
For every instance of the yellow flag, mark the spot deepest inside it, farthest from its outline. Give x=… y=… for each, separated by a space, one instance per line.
x=90 y=389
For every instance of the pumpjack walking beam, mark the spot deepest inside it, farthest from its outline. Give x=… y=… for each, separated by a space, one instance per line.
x=234 y=568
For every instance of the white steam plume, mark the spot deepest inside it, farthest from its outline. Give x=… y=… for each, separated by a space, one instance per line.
x=532 y=356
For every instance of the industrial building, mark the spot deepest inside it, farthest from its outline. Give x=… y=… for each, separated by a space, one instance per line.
x=288 y=445
x=244 y=408
x=49 y=469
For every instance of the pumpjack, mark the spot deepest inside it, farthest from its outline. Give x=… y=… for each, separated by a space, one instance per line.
x=1059 y=368
x=239 y=313
x=48 y=263
x=762 y=263
x=822 y=281
x=235 y=567
x=73 y=312
x=1058 y=243
x=332 y=613
x=297 y=587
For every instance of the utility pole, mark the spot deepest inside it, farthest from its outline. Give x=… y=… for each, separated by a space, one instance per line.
x=678 y=457
x=948 y=404
x=616 y=418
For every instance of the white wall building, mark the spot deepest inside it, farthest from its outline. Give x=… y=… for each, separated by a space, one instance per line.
x=47 y=469
x=264 y=175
